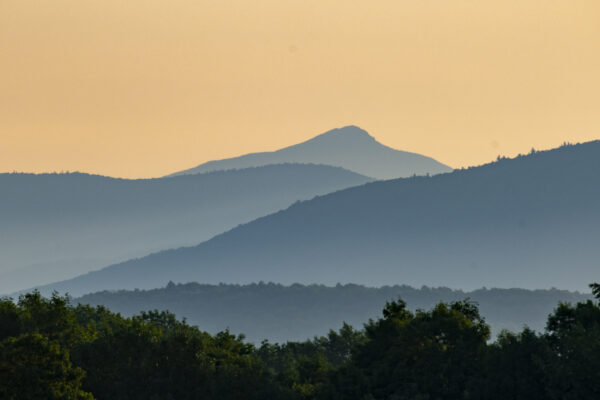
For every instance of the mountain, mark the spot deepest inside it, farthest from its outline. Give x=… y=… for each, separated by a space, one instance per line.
x=283 y=313
x=530 y=222
x=56 y=226
x=350 y=148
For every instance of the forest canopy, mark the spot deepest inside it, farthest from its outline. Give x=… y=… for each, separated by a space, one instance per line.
x=52 y=349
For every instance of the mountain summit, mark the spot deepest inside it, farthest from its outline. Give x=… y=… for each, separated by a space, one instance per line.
x=350 y=147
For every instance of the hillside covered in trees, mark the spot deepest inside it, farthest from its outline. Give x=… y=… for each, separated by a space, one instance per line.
x=50 y=349
x=298 y=312
x=57 y=226
x=530 y=222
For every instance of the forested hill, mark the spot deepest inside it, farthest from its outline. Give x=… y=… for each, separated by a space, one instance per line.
x=282 y=313
x=349 y=147
x=532 y=222
x=68 y=224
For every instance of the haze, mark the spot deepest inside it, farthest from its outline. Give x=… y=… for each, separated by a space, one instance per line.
x=145 y=88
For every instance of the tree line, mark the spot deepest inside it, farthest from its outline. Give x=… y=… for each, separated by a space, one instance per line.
x=52 y=349
x=282 y=313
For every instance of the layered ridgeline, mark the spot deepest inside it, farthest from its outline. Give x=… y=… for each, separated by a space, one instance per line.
x=350 y=148
x=282 y=313
x=64 y=225
x=531 y=222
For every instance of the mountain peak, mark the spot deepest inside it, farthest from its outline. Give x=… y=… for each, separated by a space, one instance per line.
x=349 y=147
x=348 y=131
x=351 y=130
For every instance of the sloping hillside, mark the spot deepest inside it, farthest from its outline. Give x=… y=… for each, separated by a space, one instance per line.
x=531 y=222
x=67 y=224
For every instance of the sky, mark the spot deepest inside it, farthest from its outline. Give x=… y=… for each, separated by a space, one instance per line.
x=143 y=88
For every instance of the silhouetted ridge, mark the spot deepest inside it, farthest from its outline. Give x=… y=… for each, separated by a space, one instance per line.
x=350 y=131
x=350 y=147
x=297 y=312
x=530 y=222
x=57 y=226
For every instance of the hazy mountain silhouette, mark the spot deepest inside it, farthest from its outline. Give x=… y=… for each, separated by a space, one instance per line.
x=350 y=147
x=531 y=222
x=56 y=226
x=281 y=313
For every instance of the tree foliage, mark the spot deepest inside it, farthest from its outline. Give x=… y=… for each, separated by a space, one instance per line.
x=34 y=367
x=595 y=290
x=51 y=349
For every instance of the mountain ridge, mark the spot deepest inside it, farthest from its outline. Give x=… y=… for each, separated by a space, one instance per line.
x=350 y=147
x=297 y=312
x=531 y=221
x=76 y=221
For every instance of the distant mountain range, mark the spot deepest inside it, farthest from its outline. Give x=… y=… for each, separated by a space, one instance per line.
x=281 y=313
x=531 y=222
x=56 y=226
x=350 y=148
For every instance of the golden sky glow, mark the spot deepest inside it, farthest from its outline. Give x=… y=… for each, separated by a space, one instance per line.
x=140 y=88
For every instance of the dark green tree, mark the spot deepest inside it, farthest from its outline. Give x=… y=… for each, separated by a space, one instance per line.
x=10 y=323
x=516 y=367
x=595 y=290
x=51 y=317
x=573 y=332
x=425 y=355
x=32 y=367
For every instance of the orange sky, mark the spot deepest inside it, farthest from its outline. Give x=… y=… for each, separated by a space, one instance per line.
x=141 y=88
